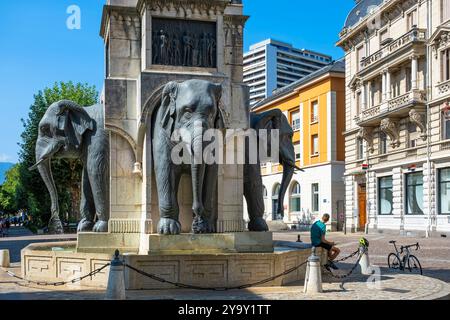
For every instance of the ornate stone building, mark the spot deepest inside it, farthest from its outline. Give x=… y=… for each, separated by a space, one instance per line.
x=397 y=120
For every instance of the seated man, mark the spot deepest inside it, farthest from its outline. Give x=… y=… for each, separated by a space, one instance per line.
x=318 y=231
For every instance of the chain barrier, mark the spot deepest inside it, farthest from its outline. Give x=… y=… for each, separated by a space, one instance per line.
x=187 y=286
x=349 y=273
x=58 y=283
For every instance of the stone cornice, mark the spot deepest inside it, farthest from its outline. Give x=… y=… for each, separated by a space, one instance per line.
x=387 y=12
x=182 y=6
x=107 y=10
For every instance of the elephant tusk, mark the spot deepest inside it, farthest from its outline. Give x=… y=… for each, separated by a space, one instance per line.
x=34 y=167
x=289 y=163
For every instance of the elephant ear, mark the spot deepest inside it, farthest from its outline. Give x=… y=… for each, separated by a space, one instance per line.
x=168 y=106
x=74 y=120
x=269 y=120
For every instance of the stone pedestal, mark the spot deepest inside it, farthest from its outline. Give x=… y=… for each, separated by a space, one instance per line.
x=259 y=242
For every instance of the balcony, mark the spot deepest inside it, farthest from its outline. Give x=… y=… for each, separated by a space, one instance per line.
x=415 y=36
x=395 y=107
x=444 y=88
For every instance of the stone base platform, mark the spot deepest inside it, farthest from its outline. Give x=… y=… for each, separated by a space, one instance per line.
x=61 y=262
x=241 y=242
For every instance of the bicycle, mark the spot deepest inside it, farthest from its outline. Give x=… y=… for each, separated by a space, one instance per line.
x=401 y=261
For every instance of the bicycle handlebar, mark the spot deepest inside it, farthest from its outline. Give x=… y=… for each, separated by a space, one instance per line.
x=417 y=245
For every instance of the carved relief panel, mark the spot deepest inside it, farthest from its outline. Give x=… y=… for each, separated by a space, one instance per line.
x=186 y=43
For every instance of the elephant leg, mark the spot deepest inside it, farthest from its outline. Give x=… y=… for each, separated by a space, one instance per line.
x=87 y=208
x=167 y=180
x=253 y=192
x=100 y=194
x=210 y=197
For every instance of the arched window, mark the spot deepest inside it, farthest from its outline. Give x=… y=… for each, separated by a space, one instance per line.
x=275 y=192
x=295 y=198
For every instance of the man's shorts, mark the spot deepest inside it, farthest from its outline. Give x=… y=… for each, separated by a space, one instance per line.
x=324 y=245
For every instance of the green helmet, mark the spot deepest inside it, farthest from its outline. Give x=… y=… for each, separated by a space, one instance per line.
x=364 y=242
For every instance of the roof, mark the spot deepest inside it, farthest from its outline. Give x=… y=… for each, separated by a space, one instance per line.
x=335 y=66
x=360 y=11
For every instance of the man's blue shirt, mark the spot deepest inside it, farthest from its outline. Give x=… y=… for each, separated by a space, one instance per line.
x=318 y=229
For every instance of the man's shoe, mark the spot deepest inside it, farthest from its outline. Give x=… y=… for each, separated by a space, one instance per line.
x=332 y=265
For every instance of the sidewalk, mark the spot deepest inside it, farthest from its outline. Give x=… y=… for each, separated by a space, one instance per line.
x=392 y=287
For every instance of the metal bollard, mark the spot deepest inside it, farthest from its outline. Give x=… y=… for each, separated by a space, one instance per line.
x=116 y=280
x=4 y=259
x=313 y=277
x=364 y=262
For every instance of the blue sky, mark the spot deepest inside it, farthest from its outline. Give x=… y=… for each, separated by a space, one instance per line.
x=38 y=49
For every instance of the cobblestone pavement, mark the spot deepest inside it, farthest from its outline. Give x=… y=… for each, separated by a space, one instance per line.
x=434 y=253
x=391 y=287
x=434 y=256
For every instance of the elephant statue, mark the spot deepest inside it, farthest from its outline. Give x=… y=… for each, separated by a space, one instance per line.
x=184 y=106
x=68 y=130
x=253 y=186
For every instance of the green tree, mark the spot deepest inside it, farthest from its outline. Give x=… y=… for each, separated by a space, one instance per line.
x=12 y=196
x=67 y=173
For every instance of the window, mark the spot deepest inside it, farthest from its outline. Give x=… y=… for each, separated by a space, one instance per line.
x=408 y=71
x=411 y=19
x=275 y=192
x=295 y=198
x=385 y=196
x=446 y=126
x=295 y=120
x=383 y=36
x=297 y=151
x=413 y=135
x=445 y=65
x=383 y=143
x=315 y=197
x=264 y=192
x=445 y=10
x=360 y=54
x=358 y=102
x=315 y=111
x=414 y=193
x=359 y=148
x=315 y=145
x=444 y=191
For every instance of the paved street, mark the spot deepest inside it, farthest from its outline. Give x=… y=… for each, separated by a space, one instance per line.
x=20 y=237
x=434 y=257
x=434 y=254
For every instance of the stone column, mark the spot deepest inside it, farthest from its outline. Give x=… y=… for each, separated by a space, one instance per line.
x=363 y=97
x=388 y=85
x=383 y=87
x=350 y=204
x=429 y=194
x=398 y=201
x=372 y=199
x=414 y=70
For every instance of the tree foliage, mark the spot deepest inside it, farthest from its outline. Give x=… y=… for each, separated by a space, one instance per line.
x=12 y=194
x=67 y=173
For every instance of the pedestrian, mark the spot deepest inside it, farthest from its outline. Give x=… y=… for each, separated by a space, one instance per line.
x=7 y=225
x=318 y=232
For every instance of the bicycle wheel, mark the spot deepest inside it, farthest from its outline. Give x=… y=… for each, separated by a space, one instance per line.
x=414 y=265
x=393 y=261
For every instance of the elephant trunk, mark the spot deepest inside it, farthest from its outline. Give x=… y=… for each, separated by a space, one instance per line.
x=288 y=172
x=198 y=173
x=45 y=171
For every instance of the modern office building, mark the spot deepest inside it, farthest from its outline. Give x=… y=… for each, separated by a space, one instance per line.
x=397 y=116
x=315 y=107
x=271 y=64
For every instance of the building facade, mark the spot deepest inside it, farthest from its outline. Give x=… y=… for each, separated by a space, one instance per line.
x=271 y=64
x=397 y=137
x=315 y=107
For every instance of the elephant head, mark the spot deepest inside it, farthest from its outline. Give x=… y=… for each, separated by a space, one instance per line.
x=275 y=119
x=60 y=135
x=190 y=108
